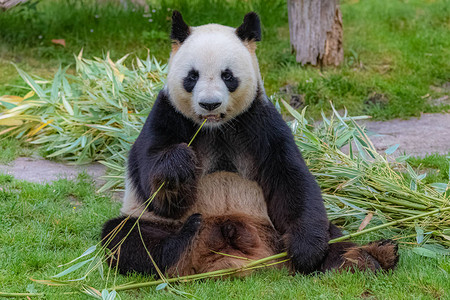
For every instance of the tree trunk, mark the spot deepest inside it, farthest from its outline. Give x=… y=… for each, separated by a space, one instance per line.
x=315 y=28
x=5 y=4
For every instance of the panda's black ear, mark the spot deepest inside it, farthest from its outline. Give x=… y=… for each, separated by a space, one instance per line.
x=180 y=30
x=250 y=30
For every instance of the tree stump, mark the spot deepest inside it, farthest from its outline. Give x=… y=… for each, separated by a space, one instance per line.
x=315 y=28
x=5 y=4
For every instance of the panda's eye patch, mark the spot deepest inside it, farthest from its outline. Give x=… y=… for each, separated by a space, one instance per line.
x=190 y=80
x=227 y=75
x=193 y=75
x=230 y=81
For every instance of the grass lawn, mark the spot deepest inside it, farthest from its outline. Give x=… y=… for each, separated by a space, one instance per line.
x=436 y=166
x=397 y=53
x=43 y=226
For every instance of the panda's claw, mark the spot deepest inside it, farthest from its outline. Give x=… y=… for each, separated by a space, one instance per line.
x=192 y=225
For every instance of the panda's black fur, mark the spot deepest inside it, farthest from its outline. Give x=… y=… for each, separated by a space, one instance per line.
x=258 y=145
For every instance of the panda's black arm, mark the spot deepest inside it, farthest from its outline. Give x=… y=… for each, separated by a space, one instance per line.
x=292 y=194
x=165 y=243
x=160 y=154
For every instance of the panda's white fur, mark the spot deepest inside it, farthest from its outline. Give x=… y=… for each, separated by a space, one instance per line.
x=210 y=49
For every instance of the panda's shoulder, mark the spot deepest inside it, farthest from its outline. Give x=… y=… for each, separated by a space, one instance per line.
x=163 y=126
x=263 y=114
x=165 y=119
x=162 y=108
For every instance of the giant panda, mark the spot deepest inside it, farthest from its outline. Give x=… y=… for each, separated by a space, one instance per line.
x=241 y=189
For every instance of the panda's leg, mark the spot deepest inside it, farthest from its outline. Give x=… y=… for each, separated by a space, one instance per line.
x=165 y=243
x=375 y=256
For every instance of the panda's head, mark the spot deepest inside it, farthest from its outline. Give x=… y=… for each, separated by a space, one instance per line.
x=213 y=70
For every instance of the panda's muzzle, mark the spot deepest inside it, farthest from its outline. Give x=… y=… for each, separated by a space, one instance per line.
x=210 y=105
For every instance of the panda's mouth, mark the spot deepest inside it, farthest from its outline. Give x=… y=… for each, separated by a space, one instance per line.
x=212 y=118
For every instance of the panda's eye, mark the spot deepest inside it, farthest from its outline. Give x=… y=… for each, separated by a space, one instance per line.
x=193 y=75
x=227 y=76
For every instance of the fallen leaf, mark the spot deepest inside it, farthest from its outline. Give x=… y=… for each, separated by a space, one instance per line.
x=11 y=99
x=11 y=122
x=61 y=42
x=34 y=131
x=29 y=95
x=366 y=221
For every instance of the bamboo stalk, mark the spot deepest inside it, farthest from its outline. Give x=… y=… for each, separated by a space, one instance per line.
x=18 y=295
x=351 y=235
x=202 y=275
x=198 y=130
x=370 y=205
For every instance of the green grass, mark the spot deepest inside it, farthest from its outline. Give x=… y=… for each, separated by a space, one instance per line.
x=436 y=166
x=11 y=148
x=397 y=53
x=43 y=226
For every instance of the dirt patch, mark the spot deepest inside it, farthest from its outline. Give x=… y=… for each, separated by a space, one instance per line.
x=42 y=171
x=416 y=136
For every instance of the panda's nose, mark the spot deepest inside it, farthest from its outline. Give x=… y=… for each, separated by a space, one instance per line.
x=210 y=105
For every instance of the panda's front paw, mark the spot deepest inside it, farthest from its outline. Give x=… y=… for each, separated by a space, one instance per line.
x=176 y=167
x=192 y=225
x=306 y=254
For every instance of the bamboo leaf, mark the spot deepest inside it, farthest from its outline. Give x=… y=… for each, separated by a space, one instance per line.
x=36 y=88
x=85 y=253
x=51 y=282
x=100 y=269
x=67 y=105
x=90 y=291
x=344 y=139
x=65 y=150
x=72 y=268
x=440 y=186
x=419 y=236
x=338 y=115
x=438 y=249
x=8 y=105
x=112 y=295
x=105 y=128
x=34 y=131
x=55 y=85
x=11 y=99
x=391 y=149
x=402 y=158
x=292 y=111
x=29 y=95
x=161 y=286
x=122 y=59
x=10 y=122
x=424 y=252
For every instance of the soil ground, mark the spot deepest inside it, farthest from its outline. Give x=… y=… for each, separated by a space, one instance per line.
x=417 y=136
x=41 y=170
